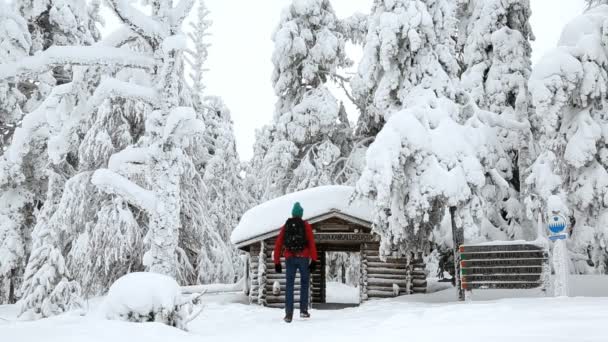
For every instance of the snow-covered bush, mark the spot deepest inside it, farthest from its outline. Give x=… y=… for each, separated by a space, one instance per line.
x=150 y=297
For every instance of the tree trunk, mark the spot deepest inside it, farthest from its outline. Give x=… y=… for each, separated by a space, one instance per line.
x=11 y=288
x=458 y=239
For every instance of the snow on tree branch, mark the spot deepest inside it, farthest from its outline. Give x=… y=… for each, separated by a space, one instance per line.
x=131 y=161
x=181 y=11
x=111 y=88
x=75 y=55
x=120 y=37
x=113 y=183
x=494 y=120
x=182 y=122
x=143 y=25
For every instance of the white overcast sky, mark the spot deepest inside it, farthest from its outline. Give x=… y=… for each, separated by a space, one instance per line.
x=240 y=64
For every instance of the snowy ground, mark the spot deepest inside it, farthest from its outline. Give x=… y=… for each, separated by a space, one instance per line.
x=418 y=318
x=342 y=293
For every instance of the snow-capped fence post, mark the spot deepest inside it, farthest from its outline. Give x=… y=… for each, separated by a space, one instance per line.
x=458 y=239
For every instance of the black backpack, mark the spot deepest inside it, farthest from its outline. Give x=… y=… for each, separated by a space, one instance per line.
x=295 y=235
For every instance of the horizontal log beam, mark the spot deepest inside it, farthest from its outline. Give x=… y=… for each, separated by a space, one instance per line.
x=386 y=265
x=503 y=262
x=386 y=281
x=419 y=283
x=497 y=248
x=502 y=277
x=501 y=285
x=503 y=255
x=380 y=294
x=503 y=270
x=385 y=270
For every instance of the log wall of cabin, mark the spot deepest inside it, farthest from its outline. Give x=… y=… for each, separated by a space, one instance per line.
x=378 y=277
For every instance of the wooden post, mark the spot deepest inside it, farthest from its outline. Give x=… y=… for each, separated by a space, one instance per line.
x=458 y=239
x=11 y=289
x=262 y=275
x=363 y=278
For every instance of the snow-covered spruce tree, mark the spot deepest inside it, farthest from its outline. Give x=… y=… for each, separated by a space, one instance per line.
x=568 y=89
x=23 y=175
x=393 y=53
x=218 y=165
x=593 y=3
x=494 y=45
x=15 y=43
x=222 y=177
x=431 y=154
x=198 y=57
x=310 y=132
x=60 y=22
x=47 y=286
x=169 y=129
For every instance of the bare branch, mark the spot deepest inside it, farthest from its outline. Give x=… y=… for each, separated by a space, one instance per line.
x=341 y=80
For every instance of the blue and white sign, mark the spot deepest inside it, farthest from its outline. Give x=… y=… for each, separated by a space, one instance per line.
x=557 y=225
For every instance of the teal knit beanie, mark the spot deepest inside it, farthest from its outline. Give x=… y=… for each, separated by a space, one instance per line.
x=297 y=210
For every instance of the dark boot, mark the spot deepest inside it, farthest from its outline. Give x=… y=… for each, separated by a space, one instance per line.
x=304 y=314
x=288 y=317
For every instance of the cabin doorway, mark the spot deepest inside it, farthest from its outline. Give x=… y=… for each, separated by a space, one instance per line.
x=335 y=284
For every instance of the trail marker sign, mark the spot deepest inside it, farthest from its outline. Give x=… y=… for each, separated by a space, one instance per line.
x=557 y=226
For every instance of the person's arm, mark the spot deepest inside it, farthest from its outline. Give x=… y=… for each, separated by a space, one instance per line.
x=312 y=246
x=278 y=246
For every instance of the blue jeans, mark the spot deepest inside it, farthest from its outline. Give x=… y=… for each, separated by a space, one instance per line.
x=293 y=264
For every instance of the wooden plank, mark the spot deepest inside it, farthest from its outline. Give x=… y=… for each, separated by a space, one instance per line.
x=503 y=262
x=495 y=248
x=502 y=270
x=501 y=285
x=503 y=255
x=502 y=277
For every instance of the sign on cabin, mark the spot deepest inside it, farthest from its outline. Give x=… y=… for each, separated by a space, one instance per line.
x=507 y=266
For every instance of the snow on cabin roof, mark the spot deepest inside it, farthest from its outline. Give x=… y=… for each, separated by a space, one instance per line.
x=271 y=215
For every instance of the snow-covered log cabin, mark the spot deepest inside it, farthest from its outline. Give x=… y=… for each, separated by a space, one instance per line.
x=339 y=224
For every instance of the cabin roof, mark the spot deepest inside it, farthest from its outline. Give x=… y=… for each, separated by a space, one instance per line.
x=320 y=203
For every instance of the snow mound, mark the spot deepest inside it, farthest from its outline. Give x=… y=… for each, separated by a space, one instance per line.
x=270 y=216
x=150 y=297
x=141 y=293
x=342 y=293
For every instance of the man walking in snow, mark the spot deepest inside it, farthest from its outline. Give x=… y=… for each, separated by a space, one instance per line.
x=297 y=242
